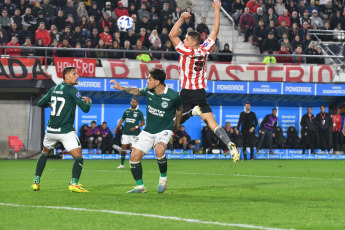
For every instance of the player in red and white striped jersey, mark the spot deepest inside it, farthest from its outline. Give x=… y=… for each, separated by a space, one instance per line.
x=193 y=75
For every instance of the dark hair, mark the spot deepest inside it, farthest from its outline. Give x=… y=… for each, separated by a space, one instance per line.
x=93 y=122
x=195 y=36
x=66 y=70
x=104 y=122
x=134 y=98
x=322 y=106
x=274 y=109
x=158 y=74
x=247 y=103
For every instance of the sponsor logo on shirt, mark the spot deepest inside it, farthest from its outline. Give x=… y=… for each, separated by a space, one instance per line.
x=130 y=120
x=53 y=130
x=156 y=112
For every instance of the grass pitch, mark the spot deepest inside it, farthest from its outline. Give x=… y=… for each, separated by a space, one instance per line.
x=291 y=194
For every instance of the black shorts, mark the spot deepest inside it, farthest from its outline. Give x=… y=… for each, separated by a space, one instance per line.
x=195 y=97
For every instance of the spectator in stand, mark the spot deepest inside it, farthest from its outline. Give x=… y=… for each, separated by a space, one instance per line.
x=79 y=53
x=166 y=14
x=270 y=43
x=94 y=37
x=59 y=21
x=328 y=33
x=81 y=11
x=328 y=9
x=12 y=31
x=52 y=53
x=267 y=128
x=291 y=7
x=326 y=19
x=294 y=32
x=271 y=17
x=301 y=9
x=153 y=12
x=283 y=59
x=202 y=27
x=77 y=37
x=286 y=42
x=212 y=56
x=91 y=24
x=319 y=60
x=308 y=124
x=120 y=10
x=83 y=26
x=95 y=11
x=272 y=28
x=94 y=137
x=260 y=34
x=88 y=44
x=48 y=10
x=13 y=51
x=247 y=24
x=279 y=7
x=69 y=8
x=139 y=46
x=107 y=137
x=131 y=37
x=311 y=51
x=106 y=21
x=312 y=7
x=67 y=34
x=107 y=38
x=168 y=48
x=315 y=19
x=323 y=122
x=181 y=137
x=145 y=24
x=16 y=18
x=40 y=18
x=339 y=34
x=8 y=6
x=226 y=50
x=284 y=17
x=306 y=19
x=116 y=54
x=169 y=25
x=298 y=60
x=336 y=130
x=249 y=122
x=70 y=22
x=54 y=35
x=164 y=36
x=24 y=33
x=64 y=52
x=28 y=52
x=154 y=36
x=252 y=5
x=283 y=29
x=144 y=39
x=132 y=9
x=5 y=20
x=338 y=18
x=304 y=31
x=101 y=45
x=269 y=59
x=176 y=14
x=155 y=47
x=260 y=16
x=155 y=23
x=22 y=6
x=187 y=24
x=295 y=19
x=192 y=15
x=3 y=38
x=143 y=12
x=42 y=33
x=127 y=46
x=237 y=10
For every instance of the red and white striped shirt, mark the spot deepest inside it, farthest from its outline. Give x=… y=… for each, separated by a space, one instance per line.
x=193 y=64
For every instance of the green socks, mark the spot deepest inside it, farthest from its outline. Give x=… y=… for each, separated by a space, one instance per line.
x=163 y=165
x=137 y=172
x=76 y=170
x=123 y=156
x=41 y=164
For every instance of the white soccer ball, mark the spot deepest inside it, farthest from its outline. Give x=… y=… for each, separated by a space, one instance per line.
x=125 y=23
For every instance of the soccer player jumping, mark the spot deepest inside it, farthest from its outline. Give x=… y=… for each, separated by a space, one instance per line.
x=62 y=99
x=162 y=104
x=192 y=70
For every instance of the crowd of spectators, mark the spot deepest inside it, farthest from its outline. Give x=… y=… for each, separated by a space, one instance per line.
x=93 y=24
x=283 y=26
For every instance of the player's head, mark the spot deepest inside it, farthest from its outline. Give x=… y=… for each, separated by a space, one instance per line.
x=338 y=111
x=274 y=111
x=104 y=125
x=93 y=124
x=247 y=106
x=310 y=110
x=70 y=75
x=322 y=108
x=192 y=39
x=156 y=77
x=134 y=103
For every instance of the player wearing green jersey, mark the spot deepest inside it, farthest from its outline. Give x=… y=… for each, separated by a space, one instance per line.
x=62 y=99
x=132 y=116
x=162 y=104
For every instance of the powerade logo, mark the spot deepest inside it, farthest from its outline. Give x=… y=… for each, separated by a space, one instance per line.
x=89 y=84
x=299 y=89
x=292 y=89
x=231 y=87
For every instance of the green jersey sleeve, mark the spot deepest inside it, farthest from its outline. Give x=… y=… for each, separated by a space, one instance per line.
x=76 y=95
x=44 y=102
x=178 y=101
x=144 y=91
x=124 y=116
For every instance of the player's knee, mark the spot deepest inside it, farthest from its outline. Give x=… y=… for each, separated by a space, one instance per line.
x=99 y=139
x=91 y=139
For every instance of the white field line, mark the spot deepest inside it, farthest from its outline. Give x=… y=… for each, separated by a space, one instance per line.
x=145 y=215
x=290 y=177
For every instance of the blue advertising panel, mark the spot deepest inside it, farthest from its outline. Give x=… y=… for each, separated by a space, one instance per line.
x=138 y=83
x=288 y=116
x=330 y=89
x=173 y=84
x=95 y=114
x=298 y=89
x=209 y=87
x=231 y=87
x=231 y=114
x=265 y=88
x=90 y=84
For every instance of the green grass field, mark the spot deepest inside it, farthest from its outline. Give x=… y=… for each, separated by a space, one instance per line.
x=270 y=194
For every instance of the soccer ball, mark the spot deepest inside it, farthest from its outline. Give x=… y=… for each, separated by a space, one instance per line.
x=125 y=23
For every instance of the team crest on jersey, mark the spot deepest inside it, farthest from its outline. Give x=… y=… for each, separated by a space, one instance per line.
x=78 y=95
x=135 y=115
x=205 y=44
x=164 y=104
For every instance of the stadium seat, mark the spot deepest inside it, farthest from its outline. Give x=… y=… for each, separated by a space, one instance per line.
x=16 y=144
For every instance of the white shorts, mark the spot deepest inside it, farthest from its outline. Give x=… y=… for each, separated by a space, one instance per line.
x=69 y=140
x=127 y=139
x=145 y=141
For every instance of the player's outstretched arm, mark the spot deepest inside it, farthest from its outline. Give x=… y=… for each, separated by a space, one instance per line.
x=84 y=104
x=216 y=7
x=45 y=101
x=130 y=90
x=174 y=31
x=179 y=112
